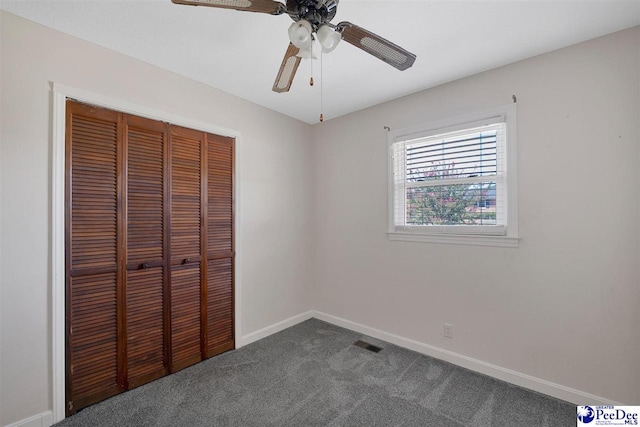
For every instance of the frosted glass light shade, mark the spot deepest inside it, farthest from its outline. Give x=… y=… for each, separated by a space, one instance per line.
x=300 y=33
x=328 y=38
x=308 y=51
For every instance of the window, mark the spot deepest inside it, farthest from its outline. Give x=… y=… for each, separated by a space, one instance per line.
x=454 y=181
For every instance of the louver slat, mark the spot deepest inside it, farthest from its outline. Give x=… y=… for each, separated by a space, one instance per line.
x=93 y=192
x=144 y=191
x=220 y=194
x=185 y=315
x=185 y=194
x=220 y=306
x=93 y=343
x=145 y=332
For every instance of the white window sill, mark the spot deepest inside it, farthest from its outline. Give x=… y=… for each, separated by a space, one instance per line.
x=457 y=239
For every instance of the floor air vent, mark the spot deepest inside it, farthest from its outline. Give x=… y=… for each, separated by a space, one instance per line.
x=367 y=346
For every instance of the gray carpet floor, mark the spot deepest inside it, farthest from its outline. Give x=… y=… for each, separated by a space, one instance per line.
x=312 y=375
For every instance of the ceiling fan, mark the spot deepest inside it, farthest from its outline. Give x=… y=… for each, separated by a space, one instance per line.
x=314 y=16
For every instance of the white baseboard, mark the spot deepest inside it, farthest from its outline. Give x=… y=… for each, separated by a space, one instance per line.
x=44 y=419
x=276 y=327
x=523 y=380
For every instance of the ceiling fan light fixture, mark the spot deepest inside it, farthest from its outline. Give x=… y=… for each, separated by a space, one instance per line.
x=300 y=33
x=328 y=38
x=308 y=51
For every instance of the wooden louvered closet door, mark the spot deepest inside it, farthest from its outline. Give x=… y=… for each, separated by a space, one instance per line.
x=149 y=250
x=92 y=243
x=186 y=212
x=219 y=250
x=146 y=266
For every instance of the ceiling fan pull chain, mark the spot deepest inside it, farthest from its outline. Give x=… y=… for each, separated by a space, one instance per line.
x=311 y=60
x=321 y=86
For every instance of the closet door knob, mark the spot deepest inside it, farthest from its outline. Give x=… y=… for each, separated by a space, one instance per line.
x=186 y=260
x=145 y=265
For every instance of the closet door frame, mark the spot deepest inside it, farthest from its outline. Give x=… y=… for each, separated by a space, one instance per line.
x=59 y=95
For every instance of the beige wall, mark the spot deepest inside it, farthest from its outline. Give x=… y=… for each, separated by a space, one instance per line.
x=276 y=158
x=564 y=306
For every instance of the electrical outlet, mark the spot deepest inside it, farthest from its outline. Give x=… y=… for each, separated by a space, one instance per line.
x=448 y=330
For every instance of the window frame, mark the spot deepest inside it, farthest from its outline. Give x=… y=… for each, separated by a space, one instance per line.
x=473 y=235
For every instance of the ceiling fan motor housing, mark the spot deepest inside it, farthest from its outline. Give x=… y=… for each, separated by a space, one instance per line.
x=316 y=12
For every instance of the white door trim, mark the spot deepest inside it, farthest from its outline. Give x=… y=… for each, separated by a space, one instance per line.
x=60 y=93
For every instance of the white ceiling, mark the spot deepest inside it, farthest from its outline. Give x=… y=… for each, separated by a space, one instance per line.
x=240 y=52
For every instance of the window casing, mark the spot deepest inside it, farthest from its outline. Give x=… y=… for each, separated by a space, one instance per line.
x=454 y=180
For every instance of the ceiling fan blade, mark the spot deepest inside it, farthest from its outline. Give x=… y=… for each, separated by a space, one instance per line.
x=262 y=6
x=381 y=48
x=287 y=70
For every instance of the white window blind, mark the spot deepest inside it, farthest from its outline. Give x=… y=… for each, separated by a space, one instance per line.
x=451 y=180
